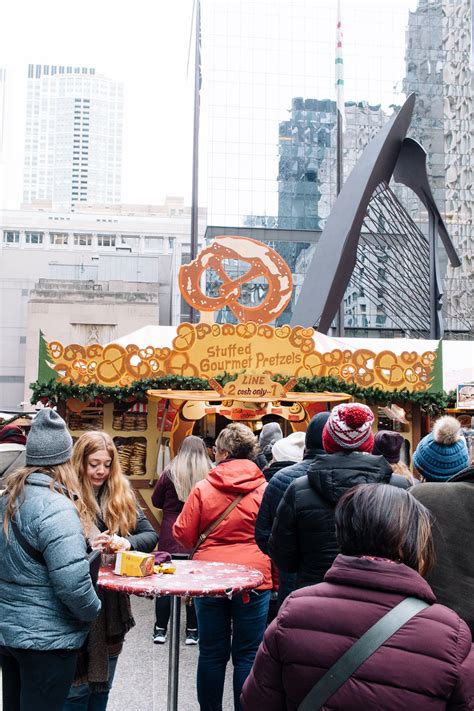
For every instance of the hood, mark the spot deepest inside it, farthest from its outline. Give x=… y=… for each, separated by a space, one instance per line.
x=379 y=574
x=237 y=476
x=314 y=432
x=271 y=433
x=44 y=480
x=331 y=475
x=465 y=475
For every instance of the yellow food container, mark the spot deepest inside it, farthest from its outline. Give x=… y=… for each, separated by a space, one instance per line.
x=134 y=564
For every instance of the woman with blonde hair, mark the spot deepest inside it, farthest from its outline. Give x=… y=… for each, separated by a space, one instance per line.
x=47 y=599
x=190 y=465
x=117 y=524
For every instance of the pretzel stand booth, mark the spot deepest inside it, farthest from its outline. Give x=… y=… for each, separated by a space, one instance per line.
x=154 y=387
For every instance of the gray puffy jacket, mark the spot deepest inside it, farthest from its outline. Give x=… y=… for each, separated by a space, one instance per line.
x=45 y=607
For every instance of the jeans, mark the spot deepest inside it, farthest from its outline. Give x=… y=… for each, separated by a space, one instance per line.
x=81 y=699
x=36 y=680
x=227 y=627
x=162 y=613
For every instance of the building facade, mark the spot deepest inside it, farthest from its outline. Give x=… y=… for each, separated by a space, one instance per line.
x=438 y=69
x=73 y=137
x=91 y=252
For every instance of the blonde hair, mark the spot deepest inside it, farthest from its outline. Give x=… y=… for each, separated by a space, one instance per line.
x=402 y=469
x=238 y=440
x=190 y=465
x=62 y=474
x=117 y=506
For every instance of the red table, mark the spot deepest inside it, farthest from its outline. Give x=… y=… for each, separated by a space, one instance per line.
x=196 y=578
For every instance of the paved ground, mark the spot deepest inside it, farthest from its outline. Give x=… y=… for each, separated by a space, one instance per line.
x=142 y=672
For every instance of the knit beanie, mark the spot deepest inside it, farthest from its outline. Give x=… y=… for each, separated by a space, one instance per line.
x=314 y=432
x=49 y=441
x=270 y=433
x=443 y=452
x=388 y=444
x=11 y=434
x=349 y=428
x=289 y=449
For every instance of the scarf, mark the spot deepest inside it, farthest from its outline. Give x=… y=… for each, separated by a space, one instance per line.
x=105 y=639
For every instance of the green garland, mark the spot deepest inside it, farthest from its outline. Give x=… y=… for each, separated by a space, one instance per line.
x=431 y=403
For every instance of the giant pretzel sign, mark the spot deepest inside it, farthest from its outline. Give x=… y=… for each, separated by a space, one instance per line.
x=263 y=261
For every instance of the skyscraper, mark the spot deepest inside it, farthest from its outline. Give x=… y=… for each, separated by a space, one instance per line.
x=73 y=138
x=438 y=45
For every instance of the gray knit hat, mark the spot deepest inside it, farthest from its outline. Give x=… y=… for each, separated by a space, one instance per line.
x=49 y=441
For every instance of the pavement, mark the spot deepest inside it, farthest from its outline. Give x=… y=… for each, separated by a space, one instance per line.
x=141 y=679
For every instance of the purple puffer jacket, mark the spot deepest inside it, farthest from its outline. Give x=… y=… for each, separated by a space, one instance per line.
x=165 y=497
x=426 y=666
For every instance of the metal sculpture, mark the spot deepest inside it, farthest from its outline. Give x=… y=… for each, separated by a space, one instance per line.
x=368 y=218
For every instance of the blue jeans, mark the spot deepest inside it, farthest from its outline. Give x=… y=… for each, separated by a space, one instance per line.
x=225 y=627
x=81 y=699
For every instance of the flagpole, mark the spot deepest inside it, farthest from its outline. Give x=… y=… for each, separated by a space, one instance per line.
x=195 y=183
x=339 y=137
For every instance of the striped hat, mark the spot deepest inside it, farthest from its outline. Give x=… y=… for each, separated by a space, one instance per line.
x=442 y=453
x=349 y=427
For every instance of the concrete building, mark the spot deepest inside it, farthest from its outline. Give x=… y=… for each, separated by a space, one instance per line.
x=73 y=136
x=86 y=257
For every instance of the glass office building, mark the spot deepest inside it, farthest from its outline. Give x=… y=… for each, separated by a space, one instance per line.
x=268 y=117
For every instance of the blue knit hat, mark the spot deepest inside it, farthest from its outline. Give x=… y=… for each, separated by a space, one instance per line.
x=443 y=452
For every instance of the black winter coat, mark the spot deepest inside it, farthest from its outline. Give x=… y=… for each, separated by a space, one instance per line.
x=303 y=537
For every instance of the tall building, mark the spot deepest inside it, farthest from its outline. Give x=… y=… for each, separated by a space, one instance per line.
x=260 y=55
x=3 y=82
x=438 y=54
x=73 y=137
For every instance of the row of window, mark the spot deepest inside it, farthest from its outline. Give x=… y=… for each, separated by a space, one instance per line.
x=81 y=239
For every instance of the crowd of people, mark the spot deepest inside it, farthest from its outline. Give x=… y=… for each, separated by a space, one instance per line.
x=348 y=539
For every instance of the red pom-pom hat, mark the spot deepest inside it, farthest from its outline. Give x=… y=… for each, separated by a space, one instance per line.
x=349 y=428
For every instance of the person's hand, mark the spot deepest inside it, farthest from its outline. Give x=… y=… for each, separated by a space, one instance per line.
x=101 y=541
x=118 y=543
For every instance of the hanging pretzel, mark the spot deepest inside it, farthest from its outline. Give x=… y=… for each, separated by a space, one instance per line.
x=263 y=260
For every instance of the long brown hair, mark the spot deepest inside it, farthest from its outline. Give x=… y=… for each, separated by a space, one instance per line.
x=190 y=465
x=117 y=506
x=63 y=481
x=385 y=521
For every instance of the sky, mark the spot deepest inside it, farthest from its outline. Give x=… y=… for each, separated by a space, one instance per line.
x=145 y=45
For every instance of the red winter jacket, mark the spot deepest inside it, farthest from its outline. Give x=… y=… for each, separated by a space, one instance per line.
x=233 y=541
x=428 y=665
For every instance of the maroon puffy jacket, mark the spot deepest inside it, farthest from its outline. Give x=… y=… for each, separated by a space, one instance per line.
x=427 y=665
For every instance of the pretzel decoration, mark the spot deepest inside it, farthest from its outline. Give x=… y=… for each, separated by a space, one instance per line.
x=263 y=261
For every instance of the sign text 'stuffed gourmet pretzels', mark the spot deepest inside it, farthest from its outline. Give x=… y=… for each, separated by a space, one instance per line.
x=263 y=261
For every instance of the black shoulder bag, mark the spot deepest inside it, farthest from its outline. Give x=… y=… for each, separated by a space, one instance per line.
x=360 y=651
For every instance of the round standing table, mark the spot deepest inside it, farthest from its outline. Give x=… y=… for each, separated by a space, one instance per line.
x=194 y=578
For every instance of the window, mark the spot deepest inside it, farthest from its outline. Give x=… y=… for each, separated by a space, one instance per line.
x=58 y=238
x=34 y=237
x=106 y=240
x=154 y=244
x=11 y=237
x=82 y=240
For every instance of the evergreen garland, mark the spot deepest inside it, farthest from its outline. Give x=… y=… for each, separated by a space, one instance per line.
x=431 y=403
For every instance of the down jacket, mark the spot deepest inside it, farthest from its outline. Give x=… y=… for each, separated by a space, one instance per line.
x=452 y=506
x=45 y=607
x=428 y=665
x=303 y=538
x=232 y=541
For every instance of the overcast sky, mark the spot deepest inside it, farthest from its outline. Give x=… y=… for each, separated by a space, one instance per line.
x=145 y=45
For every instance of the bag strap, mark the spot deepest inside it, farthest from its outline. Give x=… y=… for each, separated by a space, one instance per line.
x=27 y=547
x=360 y=651
x=214 y=524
